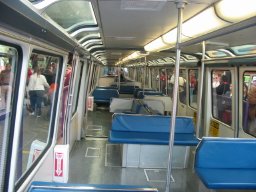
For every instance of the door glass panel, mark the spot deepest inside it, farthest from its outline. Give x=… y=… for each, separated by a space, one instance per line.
x=40 y=93
x=8 y=67
x=249 y=102
x=193 y=87
x=222 y=95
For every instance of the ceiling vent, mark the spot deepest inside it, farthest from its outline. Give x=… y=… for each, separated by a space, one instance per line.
x=146 y=5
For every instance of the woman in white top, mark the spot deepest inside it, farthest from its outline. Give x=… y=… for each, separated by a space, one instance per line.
x=36 y=86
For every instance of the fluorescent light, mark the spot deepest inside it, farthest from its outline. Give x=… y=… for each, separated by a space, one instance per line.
x=202 y=23
x=236 y=10
x=170 y=37
x=156 y=45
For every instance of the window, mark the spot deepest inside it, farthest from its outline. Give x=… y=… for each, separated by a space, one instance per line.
x=244 y=49
x=41 y=91
x=216 y=54
x=77 y=88
x=193 y=87
x=222 y=95
x=249 y=102
x=72 y=14
x=8 y=66
x=183 y=86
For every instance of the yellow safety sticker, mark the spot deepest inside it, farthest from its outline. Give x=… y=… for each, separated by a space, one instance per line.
x=194 y=117
x=214 y=128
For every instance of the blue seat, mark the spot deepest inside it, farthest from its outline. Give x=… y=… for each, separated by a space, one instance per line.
x=226 y=163
x=151 y=129
x=52 y=187
x=127 y=89
x=136 y=90
x=104 y=95
x=141 y=94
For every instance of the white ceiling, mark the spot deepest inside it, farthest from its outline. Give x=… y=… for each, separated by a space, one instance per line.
x=127 y=29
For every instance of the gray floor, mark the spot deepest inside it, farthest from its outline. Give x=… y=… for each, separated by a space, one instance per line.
x=96 y=161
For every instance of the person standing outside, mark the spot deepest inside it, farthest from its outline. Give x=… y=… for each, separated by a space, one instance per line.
x=36 y=86
x=5 y=83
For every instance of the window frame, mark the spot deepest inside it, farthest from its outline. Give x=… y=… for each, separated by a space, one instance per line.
x=53 y=118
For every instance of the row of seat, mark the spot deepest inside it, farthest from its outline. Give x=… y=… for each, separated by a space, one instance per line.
x=151 y=129
x=220 y=163
x=104 y=95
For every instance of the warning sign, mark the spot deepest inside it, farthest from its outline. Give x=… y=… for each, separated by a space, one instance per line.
x=90 y=102
x=35 y=150
x=61 y=163
x=214 y=128
x=58 y=168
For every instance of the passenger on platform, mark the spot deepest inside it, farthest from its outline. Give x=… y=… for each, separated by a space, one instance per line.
x=36 y=87
x=216 y=80
x=252 y=101
x=30 y=72
x=48 y=73
x=245 y=92
x=163 y=79
x=68 y=75
x=224 y=86
x=229 y=93
x=122 y=78
x=5 y=83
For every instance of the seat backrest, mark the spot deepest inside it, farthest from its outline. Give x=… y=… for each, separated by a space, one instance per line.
x=226 y=153
x=155 y=106
x=136 y=90
x=165 y=99
x=150 y=123
x=100 y=93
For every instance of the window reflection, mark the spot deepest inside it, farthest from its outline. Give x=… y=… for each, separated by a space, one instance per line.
x=222 y=95
x=249 y=102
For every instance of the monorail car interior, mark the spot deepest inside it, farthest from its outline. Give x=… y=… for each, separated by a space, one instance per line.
x=128 y=95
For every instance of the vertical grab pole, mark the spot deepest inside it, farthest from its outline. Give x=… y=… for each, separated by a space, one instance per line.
x=166 y=81
x=199 y=118
x=144 y=79
x=180 y=7
x=88 y=86
x=119 y=76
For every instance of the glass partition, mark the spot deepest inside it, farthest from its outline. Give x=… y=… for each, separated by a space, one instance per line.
x=249 y=102
x=222 y=95
x=8 y=66
x=41 y=88
x=193 y=87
